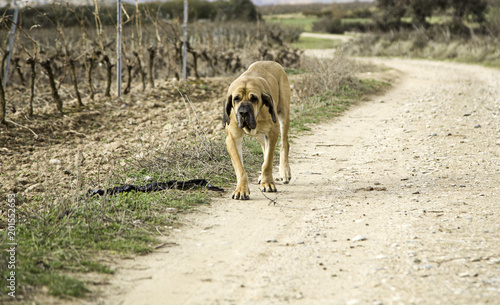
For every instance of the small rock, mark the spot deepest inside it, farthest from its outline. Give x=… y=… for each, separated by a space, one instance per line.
x=54 y=161
x=467 y=114
x=79 y=158
x=271 y=241
x=477 y=126
x=358 y=238
x=33 y=187
x=114 y=145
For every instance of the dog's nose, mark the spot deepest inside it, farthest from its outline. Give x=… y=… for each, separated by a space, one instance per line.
x=243 y=111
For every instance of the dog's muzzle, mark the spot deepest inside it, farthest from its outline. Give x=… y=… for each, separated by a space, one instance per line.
x=246 y=117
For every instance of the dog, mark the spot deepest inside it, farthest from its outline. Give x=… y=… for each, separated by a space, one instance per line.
x=258 y=104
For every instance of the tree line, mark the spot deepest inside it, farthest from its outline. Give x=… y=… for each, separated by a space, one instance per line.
x=460 y=11
x=71 y=15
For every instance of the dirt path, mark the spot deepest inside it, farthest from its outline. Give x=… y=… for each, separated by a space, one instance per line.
x=396 y=202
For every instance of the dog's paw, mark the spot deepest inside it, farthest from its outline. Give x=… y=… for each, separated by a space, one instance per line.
x=285 y=174
x=268 y=187
x=241 y=193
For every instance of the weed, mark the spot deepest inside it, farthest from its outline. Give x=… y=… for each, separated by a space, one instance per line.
x=328 y=88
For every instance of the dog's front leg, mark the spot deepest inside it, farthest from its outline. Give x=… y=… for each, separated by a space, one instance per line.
x=266 y=180
x=233 y=144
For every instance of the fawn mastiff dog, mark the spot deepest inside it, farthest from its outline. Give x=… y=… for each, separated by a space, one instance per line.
x=258 y=104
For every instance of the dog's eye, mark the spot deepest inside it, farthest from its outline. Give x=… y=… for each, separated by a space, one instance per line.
x=254 y=99
x=237 y=99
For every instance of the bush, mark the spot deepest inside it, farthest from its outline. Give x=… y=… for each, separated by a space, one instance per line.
x=332 y=26
x=326 y=74
x=493 y=21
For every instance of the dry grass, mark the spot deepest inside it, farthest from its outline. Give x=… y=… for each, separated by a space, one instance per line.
x=326 y=74
x=437 y=43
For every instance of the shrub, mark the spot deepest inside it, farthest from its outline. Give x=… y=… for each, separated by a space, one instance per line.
x=332 y=26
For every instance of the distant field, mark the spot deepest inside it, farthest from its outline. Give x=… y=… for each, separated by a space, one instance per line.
x=316 y=43
x=306 y=22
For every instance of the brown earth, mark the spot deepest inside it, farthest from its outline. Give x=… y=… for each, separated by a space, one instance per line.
x=43 y=151
x=396 y=202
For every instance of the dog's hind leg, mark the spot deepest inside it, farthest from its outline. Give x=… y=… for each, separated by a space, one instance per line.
x=284 y=120
x=285 y=171
x=262 y=141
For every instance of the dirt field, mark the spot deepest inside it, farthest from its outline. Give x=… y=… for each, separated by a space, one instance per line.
x=396 y=202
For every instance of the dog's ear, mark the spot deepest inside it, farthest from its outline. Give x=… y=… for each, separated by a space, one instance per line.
x=227 y=110
x=268 y=101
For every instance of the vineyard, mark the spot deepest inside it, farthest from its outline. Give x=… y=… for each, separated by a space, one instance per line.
x=65 y=66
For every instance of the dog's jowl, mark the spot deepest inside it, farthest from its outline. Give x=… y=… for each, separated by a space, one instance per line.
x=258 y=104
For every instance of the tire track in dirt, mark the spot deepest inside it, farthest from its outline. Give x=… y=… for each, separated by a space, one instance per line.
x=396 y=202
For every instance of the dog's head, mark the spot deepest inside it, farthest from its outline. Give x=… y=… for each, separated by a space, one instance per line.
x=246 y=99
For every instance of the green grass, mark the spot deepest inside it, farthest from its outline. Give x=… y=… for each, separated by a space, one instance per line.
x=356 y=20
x=295 y=20
x=306 y=22
x=60 y=237
x=61 y=241
x=316 y=43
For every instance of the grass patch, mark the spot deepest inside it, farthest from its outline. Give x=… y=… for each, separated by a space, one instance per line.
x=316 y=43
x=62 y=239
x=322 y=107
x=328 y=88
x=292 y=20
x=436 y=42
x=60 y=236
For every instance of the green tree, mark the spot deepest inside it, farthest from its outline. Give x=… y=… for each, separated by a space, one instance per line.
x=242 y=10
x=421 y=9
x=473 y=10
x=391 y=12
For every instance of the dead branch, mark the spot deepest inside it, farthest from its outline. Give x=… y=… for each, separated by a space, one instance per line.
x=47 y=65
x=75 y=83
x=129 y=80
x=17 y=66
x=152 y=53
x=91 y=58
x=141 y=70
x=109 y=73
x=32 y=62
